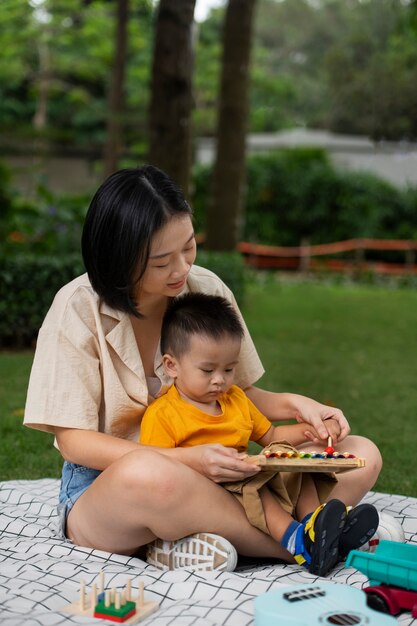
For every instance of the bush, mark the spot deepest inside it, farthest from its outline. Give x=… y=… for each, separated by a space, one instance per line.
x=230 y=267
x=297 y=193
x=47 y=224
x=28 y=285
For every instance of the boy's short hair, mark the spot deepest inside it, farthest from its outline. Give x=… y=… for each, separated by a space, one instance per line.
x=198 y=314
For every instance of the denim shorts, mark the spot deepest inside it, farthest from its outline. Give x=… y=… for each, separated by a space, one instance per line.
x=75 y=480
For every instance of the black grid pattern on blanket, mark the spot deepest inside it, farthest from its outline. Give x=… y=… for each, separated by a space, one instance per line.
x=40 y=573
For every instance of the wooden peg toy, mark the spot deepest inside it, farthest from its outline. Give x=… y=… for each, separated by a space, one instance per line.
x=114 y=605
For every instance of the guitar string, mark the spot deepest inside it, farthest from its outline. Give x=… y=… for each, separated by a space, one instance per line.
x=338 y=618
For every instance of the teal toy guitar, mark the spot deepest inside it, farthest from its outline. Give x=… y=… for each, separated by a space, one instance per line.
x=324 y=604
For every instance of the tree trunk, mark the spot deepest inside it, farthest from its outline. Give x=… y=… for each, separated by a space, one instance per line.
x=114 y=143
x=40 y=118
x=226 y=202
x=171 y=90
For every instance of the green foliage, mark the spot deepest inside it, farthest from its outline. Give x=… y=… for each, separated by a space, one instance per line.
x=6 y=201
x=28 y=285
x=230 y=267
x=296 y=194
x=207 y=74
x=350 y=66
x=70 y=63
x=370 y=73
x=47 y=224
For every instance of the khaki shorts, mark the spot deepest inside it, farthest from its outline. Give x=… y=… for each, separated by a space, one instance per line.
x=285 y=486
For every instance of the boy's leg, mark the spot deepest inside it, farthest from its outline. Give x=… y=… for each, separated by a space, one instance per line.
x=314 y=542
x=353 y=486
x=308 y=499
x=277 y=518
x=361 y=521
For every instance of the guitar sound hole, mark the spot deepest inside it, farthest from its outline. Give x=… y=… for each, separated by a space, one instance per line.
x=343 y=618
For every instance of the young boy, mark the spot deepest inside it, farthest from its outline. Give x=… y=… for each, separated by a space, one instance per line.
x=200 y=342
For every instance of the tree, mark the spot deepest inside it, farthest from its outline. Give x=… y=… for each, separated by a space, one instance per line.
x=226 y=202
x=372 y=71
x=80 y=39
x=113 y=146
x=171 y=90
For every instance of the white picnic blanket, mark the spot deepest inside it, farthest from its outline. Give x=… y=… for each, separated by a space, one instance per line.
x=40 y=574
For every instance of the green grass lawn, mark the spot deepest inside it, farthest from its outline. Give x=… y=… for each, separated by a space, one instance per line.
x=352 y=347
x=26 y=453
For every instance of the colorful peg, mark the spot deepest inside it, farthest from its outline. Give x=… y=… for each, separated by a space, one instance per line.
x=329 y=449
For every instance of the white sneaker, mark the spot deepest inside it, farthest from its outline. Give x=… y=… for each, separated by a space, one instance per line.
x=199 y=552
x=389 y=529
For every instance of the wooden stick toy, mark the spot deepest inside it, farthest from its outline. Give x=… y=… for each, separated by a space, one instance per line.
x=285 y=458
x=113 y=605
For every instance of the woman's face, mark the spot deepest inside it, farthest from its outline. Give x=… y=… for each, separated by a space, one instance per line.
x=172 y=253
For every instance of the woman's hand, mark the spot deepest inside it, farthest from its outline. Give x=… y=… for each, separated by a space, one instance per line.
x=333 y=431
x=327 y=421
x=218 y=463
x=287 y=406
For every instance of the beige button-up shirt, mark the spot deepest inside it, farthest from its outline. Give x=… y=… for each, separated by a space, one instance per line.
x=87 y=371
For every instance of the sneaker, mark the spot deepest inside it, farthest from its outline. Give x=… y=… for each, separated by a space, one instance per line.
x=361 y=525
x=199 y=552
x=318 y=550
x=389 y=529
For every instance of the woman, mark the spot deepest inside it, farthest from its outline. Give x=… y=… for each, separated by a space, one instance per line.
x=98 y=365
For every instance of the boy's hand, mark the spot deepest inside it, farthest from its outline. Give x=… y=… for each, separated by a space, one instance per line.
x=218 y=463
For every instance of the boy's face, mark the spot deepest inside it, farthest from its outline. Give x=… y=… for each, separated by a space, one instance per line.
x=206 y=369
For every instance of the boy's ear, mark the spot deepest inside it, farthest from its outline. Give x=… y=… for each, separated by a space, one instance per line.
x=170 y=365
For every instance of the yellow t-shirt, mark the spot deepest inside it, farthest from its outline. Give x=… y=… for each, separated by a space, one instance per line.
x=171 y=422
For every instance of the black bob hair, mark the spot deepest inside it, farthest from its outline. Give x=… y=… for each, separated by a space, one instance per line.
x=198 y=314
x=125 y=213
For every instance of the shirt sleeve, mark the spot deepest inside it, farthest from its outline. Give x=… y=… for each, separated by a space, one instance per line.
x=155 y=428
x=261 y=424
x=65 y=387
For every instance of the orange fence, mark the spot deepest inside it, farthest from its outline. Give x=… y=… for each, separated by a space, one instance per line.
x=324 y=256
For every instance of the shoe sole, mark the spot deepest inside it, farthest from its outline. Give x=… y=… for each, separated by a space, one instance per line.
x=361 y=525
x=328 y=528
x=199 y=552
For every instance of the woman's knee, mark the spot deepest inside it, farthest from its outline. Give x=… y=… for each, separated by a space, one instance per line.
x=363 y=447
x=148 y=473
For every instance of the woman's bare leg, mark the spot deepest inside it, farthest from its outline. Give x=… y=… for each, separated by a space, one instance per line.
x=145 y=495
x=354 y=485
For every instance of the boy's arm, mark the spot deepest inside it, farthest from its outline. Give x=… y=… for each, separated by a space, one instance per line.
x=285 y=406
x=293 y=433
x=296 y=434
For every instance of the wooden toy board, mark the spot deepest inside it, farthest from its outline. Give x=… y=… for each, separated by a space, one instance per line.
x=297 y=464
x=144 y=611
